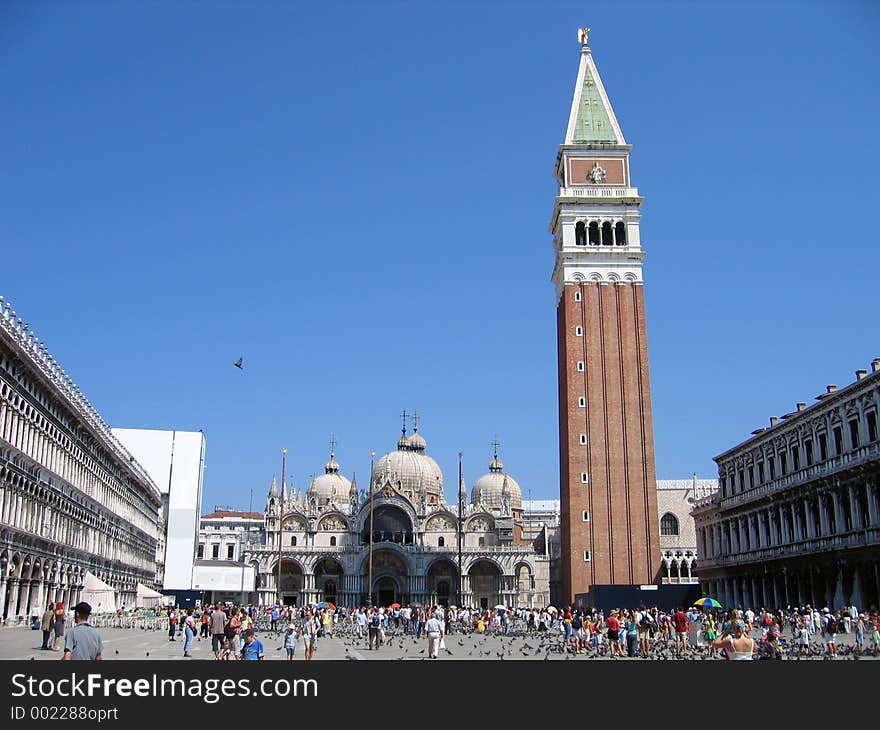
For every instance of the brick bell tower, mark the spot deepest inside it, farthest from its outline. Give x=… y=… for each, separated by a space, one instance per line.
x=608 y=487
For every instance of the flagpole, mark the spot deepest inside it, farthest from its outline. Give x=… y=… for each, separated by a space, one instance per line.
x=280 y=515
x=459 y=528
x=370 y=578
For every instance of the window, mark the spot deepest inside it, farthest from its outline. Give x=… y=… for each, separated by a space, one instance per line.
x=582 y=402
x=761 y=475
x=669 y=524
x=482 y=542
x=871 y=418
x=795 y=458
x=580 y=366
x=823 y=446
x=587 y=556
x=593 y=231
x=584 y=478
x=215 y=551
x=771 y=462
x=854 y=433
x=441 y=542
x=583 y=439
x=580 y=234
x=201 y=552
x=577 y=296
x=230 y=552
x=742 y=480
x=293 y=540
x=808 y=452
x=586 y=515
x=751 y=471
x=579 y=331
x=783 y=463
x=838 y=440
x=620 y=233
x=333 y=541
x=607 y=234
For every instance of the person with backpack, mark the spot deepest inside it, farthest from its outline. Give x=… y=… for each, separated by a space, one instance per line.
x=829 y=628
x=645 y=622
x=375 y=627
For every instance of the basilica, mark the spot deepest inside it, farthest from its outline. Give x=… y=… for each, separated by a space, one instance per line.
x=398 y=541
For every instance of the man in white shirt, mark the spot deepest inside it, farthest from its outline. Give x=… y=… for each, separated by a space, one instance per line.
x=434 y=632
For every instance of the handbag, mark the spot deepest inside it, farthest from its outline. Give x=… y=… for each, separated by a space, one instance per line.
x=442 y=643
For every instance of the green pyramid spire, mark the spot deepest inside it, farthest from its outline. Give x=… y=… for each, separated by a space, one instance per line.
x=593 y=123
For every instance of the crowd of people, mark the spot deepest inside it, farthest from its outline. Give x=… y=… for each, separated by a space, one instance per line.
x=685 y=632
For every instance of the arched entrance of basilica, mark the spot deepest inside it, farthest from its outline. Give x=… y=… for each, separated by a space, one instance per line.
x=291 y=582
x=387 y=591
x=442 y=583
x=485 y=583
x=328 y=579
x=390 y=578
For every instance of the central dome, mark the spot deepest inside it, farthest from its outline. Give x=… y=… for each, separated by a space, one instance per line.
x=410 y=470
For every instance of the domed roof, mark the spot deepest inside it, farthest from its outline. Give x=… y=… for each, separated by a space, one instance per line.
x=416 y=442
x=492 y=487
x=409 y=470
x=330 y=486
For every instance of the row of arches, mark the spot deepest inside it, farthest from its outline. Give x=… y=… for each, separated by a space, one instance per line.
x=679 y=567
x=483 y=582
x=29 y=583
x=594 y=234
x=390 y=523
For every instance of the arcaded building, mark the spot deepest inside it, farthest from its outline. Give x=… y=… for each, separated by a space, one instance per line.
x=797 y=518
x=72 y=499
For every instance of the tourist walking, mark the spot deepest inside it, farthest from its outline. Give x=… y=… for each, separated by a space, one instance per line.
x=83 y=642
x=375 y=627
x=434 y=632
x=290 y=639
x=172 y=624
x=189 y=632
x=46 y=626
x=309 y=634
x=218 y=634
x=58 y=626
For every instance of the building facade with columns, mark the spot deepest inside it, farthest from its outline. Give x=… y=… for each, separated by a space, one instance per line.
x=323 y=539
x=797 y=517
x=678 y=535
x=72 y=499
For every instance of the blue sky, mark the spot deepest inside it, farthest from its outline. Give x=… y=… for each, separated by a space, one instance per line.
x=355 y=199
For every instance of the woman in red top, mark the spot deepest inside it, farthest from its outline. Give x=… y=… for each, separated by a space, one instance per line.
x=613 y=624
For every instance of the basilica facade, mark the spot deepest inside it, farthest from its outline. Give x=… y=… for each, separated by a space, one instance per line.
x=398 y=540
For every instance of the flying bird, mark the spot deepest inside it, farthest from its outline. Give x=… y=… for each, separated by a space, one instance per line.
x=238 y=363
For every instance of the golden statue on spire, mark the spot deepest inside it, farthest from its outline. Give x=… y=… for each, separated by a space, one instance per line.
x=584 y=36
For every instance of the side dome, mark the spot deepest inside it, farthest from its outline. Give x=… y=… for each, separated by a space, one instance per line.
x=330 y=487
x=491 y=489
